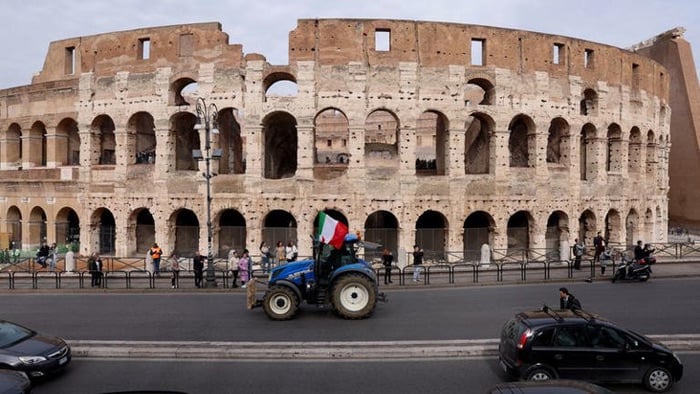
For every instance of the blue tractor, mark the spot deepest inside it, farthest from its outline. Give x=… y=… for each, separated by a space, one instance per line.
x=334 y=277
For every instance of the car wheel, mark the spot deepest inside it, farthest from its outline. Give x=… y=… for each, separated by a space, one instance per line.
x=658 y=380
x=540 y=374
x=354 y=297
x=280 y=303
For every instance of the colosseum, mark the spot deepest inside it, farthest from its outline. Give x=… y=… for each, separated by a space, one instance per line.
x=449 y=136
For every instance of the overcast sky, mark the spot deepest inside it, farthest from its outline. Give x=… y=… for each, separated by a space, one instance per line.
x=262 y=26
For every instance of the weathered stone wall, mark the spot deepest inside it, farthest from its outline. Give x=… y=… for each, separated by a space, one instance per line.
x=516 y=151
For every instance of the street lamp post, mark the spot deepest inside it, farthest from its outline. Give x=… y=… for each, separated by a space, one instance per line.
x=206 y=119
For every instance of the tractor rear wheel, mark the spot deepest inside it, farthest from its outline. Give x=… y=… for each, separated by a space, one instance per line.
x=354 y=296
x=280 y=303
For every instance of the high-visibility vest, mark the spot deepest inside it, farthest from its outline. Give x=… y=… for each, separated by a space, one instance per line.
x=156 y=252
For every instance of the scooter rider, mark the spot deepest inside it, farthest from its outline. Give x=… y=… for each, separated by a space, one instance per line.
x=641 y=256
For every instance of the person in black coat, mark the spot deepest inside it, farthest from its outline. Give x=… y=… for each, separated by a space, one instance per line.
x=198 y=267
x=567 y=300
x=95 y=268
x=387 y=260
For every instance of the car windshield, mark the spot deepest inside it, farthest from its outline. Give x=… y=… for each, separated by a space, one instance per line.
x=11 y=333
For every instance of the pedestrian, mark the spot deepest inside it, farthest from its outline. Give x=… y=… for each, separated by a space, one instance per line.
x=280 y=253
x=417 y=262
x=233 y=258
x=53 y=255
x=567 y=300
x=244 y=265
x=42 y=254
x=579 y=250
x=95 y=268
x=387 y=260
x=291 y=251
x=175 y=269
x=155 y=253
x=265 y=257
x=198 y=267
x=605 y=259
x=599 y=246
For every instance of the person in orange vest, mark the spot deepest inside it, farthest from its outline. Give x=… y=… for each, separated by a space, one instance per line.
x=155 y=253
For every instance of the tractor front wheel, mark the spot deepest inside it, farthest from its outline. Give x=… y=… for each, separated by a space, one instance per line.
x=280 y=303
x=354 y=296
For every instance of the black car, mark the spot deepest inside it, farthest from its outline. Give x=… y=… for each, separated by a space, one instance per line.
x=37 y=355
x=549 y=344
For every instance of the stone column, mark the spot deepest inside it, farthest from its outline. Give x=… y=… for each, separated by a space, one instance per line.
x=456 y=154
x=305 y=151
x=499 y=160
x=56 y=148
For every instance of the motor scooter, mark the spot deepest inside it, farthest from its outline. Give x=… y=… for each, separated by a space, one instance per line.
x=634 y=269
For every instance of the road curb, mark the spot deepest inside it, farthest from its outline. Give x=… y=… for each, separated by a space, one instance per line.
x=317 y=350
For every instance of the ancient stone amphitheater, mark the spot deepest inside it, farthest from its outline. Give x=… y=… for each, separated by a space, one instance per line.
x=444 y=135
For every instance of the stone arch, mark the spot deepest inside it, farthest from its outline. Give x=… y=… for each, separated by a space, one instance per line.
x=186 y=140
x=651 y=158
x=431 y=143
x=67 y=227
x=186 y=226
x=141 y=231
x=634 y=154
x=633 y=225
x=281 y=145
x=14 y=227
x=557 y=236
x=586 y=151
x=231 y=142
x=331 y=136
x=67 y=143
x=613 y=232
x=589 y=103
x=587 y=225
x=103 y=232
x=104 y=144
x=558 y=149
x=479 y=91
x=613 y=152
x=382 y=227
x=231 y=231
x=520 y=225
x=12 y=148
x=280 y=83
x=432 y=234
x=175 y=94
x=279 y=226
x=477 y=143
x=478 y=230
x=35 y=146
x=37 y=227
x=141 y=144
x=520 y=147
x=382 y=142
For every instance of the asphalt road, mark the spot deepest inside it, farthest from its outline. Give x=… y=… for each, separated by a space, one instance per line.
x=657 y=307
x=475 y=376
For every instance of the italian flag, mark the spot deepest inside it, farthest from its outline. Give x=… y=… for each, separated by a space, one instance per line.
x=331 y=231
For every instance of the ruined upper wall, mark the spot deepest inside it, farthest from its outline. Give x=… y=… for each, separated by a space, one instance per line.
x=178 y=46
x=436 y=44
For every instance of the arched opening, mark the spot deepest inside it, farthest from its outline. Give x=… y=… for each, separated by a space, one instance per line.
x=180 y=90
x=37 y=227
x=477 y=144
x=382 y=227
x=67 y=227
x=331 y=136
x=142 y=148
x=36 y=146
x=232 y=231
x=613 y=153
x=186 y=233
x=144 y=231
x=13 y=146
x=67 y=143
x=279 y=226
x=634 y=154
x=633 y=226
x=519 y=234
x=231 y=142
x=557 y=236
x=613 y=227
x=586 y=152
x=381 y=144
x=557 y=149
x=186 y=140
x=478 y=230
x=431 y=234
x=104 y=226
x=280 y=84
x=281 y=144
x=587 y=227
x=431 y=143
x=14 y=227
x=479 y=91
x=521 y=127
x=589 y=103
x=105 y=143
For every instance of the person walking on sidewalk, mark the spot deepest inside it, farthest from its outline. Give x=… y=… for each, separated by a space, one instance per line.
x=175 y=269
x=244 y=265
x=155 y=253
x=387 y=260
x=579 y=250
x=198 y=267
x=417 y=262
x=95 y=268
